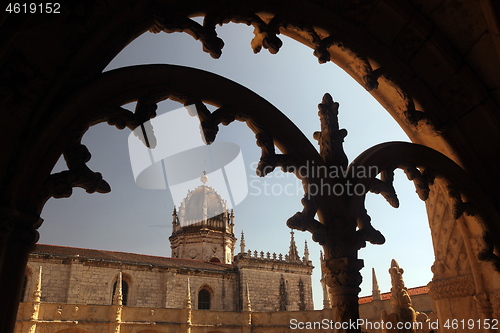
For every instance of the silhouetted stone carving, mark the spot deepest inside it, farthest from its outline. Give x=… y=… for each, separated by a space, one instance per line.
x=402 y=313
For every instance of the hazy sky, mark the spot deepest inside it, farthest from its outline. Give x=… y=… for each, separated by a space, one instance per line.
x=132 y=219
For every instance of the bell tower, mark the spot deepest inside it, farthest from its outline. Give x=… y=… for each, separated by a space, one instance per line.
x=203 y=228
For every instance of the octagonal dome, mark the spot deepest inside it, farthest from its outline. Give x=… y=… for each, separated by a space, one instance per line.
x=202 y=204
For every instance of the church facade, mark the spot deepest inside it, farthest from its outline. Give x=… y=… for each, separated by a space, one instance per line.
x=202 y=286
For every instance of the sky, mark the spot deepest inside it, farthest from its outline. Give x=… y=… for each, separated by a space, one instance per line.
x=138 y=220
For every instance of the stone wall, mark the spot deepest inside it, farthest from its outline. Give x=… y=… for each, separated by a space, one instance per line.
x=91 y=283
x=274 y=285
x=55 y=280
x=223 y=289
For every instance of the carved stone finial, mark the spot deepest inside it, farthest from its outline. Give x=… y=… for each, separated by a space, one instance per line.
x=118 y=299
x=187 y=301
x=306 y=253
x=204 y=178
x=231 y=217
x=375 y=288
x=402 y=310
x=248 y=305
x=293 y=254
x=331 y=137
x=175 y=218
x=37 y=293
x=242 y=243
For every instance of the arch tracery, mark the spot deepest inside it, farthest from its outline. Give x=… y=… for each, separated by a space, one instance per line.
x=272 y=129
x=421 y=117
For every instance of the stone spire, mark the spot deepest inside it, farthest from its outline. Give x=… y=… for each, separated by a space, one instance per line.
x=306 y=253
x=118 y=299
x=242 y=243
x=174 y=215
x=35 y=306
x=231 y=217
x=293 y=254
x=187 y=311
x=37 y=293
x=248 y=305
x=375 y=288
x=175 y=220
x=187 y=301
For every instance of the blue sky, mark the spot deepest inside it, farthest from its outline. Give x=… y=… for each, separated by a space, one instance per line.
x=133 y=219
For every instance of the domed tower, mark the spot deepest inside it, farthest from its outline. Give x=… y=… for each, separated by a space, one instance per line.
x=203 y=229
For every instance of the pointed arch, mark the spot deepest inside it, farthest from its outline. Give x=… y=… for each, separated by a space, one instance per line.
x=205 y=297
x=127 y=287
x=27 y=282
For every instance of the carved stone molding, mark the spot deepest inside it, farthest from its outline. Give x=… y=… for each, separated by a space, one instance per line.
x=459 y=286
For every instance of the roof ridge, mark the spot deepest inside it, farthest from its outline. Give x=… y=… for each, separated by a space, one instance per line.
x=128 y=253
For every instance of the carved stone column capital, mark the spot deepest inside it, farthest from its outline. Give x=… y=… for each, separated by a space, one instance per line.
x=343 y=279
x=343 y=273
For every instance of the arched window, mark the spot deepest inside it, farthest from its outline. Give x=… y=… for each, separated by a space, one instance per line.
x=25 y=285
x=204 y=299
x=124 y=292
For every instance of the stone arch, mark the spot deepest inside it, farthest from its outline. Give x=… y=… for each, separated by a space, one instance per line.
x=205 y=297
x=129 y=280
x=28 y=282
x=108 y=77
x=355 y=52
x=438 y=106
x=332 y=18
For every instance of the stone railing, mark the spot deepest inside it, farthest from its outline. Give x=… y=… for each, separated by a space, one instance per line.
x=212 y=223
x=55 y=317
x=274 y=257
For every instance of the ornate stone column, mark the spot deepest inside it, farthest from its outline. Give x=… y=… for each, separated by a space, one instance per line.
x=343 y=279
x=18 y=236
x=328 y=194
